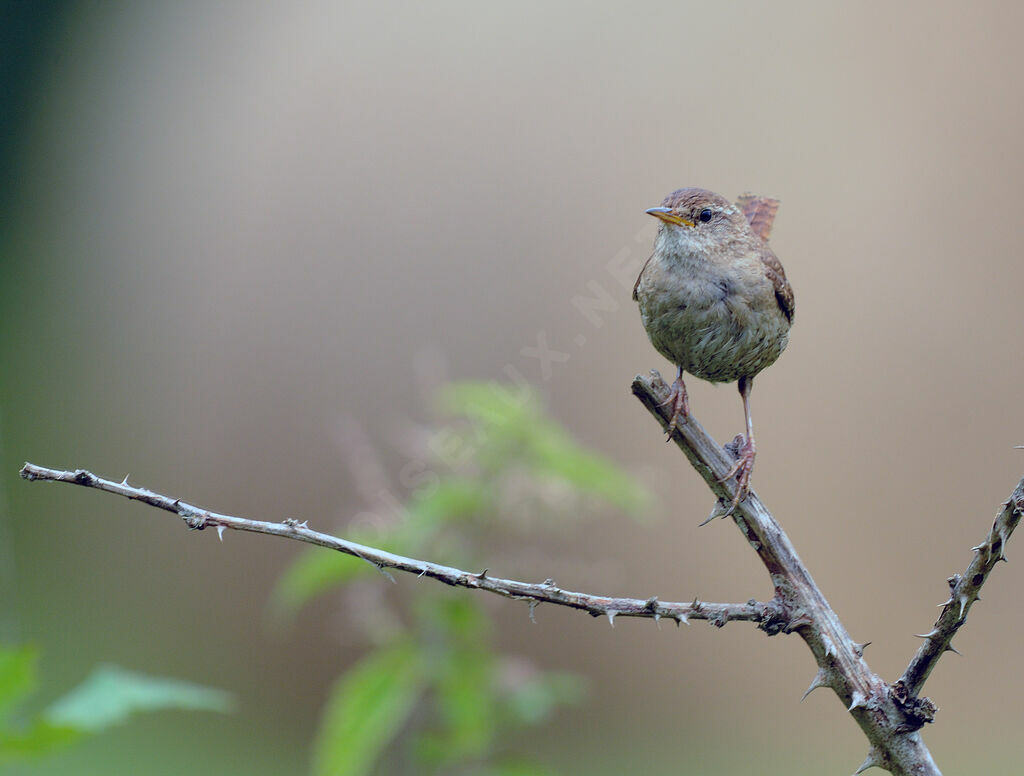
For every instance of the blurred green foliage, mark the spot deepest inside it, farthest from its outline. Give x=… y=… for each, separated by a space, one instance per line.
x=110 y=695
x=432 y=694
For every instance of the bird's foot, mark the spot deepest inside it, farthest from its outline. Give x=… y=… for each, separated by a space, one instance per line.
x=741 y=470
x=680 y=406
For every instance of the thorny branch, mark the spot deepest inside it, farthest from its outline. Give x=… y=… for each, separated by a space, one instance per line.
x=963 y=592
x=889 y=715
x=766 y=615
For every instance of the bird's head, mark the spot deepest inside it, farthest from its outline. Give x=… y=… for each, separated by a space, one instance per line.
x=698 y=218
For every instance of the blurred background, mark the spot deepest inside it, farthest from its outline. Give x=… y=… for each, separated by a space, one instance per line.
x=231 y=231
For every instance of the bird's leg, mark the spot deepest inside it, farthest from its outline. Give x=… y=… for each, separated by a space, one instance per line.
x=680 y=404
x=745 y=463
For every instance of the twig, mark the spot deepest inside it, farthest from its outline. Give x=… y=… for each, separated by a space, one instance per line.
x=889 y=715
x=963 y=592
x=890 y=721
x=766 y=615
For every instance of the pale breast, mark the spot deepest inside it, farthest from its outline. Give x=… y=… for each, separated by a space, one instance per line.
x=717 y=326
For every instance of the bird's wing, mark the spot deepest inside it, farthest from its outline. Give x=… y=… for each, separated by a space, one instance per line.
x=642 y=270
x=775 y=273
x=760 y=213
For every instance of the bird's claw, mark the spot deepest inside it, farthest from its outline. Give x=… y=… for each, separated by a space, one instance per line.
x=680 y=406
x=741 y=470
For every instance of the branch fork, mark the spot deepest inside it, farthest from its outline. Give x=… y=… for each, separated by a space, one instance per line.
x=889 y=715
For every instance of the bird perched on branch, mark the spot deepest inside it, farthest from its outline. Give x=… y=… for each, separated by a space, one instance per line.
x=715 y=300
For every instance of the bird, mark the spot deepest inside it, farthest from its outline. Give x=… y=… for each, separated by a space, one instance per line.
x=715 y=301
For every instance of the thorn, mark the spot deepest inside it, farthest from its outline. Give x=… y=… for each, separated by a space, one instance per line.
x=652 y=605
x=220 y=532
x=859 y=648
x=387 y=574
x=125 y=481
x=928 y=635
x=963 y=603
x=978 y=547
x=682 y=618
x=718 y=511
x=830 y=648
x=549 y=582
x=820 y=680
x=859 y=699
x=871 y=761
x=611 y=617
x=482 y=574
x=947 y=602
x=533 y=608
x=951 y=648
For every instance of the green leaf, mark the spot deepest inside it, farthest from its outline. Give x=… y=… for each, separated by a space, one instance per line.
x=517 y=768
x=512 y=420
x=555 y=454
x=315 y=571
x=460 y=665
x=533 y=701
x=494 y=404
x=366 y=709
x=110 y=695
x=457 y=617
x=451 y=499
x=17 y=676
x=17 y=681
x=466 y=699
x=38 y=739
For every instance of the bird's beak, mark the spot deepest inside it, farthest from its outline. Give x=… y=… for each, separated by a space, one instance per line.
x=666 y=215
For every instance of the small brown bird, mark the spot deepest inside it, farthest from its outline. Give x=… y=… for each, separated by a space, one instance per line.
x=715 y=300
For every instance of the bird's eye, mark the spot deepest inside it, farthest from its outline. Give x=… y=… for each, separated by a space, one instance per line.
x=705 y=215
